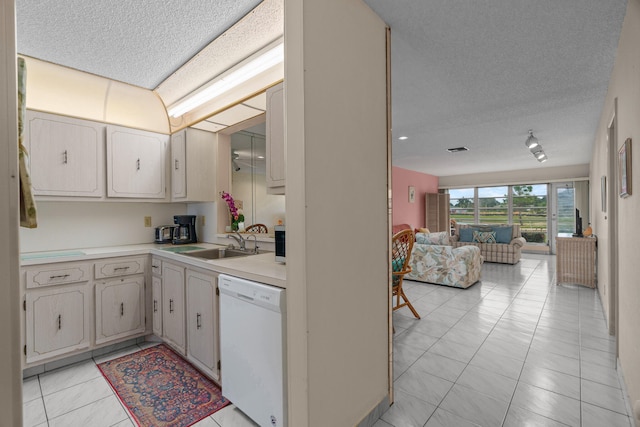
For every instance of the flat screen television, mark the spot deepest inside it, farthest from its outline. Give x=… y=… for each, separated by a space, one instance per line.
x=578 y=232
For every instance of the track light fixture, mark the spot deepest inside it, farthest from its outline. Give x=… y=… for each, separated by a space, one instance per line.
x=534 y=146
x=531 y=141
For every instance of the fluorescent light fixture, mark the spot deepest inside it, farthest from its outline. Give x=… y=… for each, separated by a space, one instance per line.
x=232 y=78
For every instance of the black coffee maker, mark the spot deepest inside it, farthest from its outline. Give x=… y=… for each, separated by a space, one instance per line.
x=185 y=232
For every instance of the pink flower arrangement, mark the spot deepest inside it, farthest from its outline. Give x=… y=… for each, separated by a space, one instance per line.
x=232 y=205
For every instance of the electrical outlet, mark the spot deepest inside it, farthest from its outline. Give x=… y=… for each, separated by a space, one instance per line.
x=204 y=220
x=147 y=221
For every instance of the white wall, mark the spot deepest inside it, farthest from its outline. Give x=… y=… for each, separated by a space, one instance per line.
x=337 y=275
x=529 y=176
x=10 y=355
x=69 y=225
x=624 y=87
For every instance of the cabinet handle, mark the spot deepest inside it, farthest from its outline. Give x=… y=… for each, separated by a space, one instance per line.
x=198 y=324
x=155 y=266
x=121 y=268
x=155 y=305
x=170 y=306
x=121 y=309
x=65 y=157
x=176 y=163
x=61 y=276
x=59 y=321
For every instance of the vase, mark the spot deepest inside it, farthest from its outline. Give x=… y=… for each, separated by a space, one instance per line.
x=234 y=226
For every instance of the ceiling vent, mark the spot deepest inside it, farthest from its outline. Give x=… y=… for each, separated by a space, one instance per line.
x=457 y=149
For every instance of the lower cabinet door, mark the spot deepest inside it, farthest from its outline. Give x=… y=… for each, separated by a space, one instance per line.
x=173 y=326
x=156 y=305
x=119 y=308
x=57 y=321
x=202 y=321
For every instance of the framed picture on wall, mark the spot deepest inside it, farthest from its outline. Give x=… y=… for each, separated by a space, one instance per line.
x=624 y=168
x=412 y=194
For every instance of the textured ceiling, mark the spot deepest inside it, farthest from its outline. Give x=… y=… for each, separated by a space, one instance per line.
x=480 y=74
x=137 y=42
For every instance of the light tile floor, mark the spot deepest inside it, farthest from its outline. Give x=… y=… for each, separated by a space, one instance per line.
x=512 y=350
x=79 y=396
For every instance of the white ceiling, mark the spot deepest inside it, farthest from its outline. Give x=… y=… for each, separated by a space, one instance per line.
x=478 y=74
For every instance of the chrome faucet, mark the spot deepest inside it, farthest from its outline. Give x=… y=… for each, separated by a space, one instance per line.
x=238 y=239
x=255 y=243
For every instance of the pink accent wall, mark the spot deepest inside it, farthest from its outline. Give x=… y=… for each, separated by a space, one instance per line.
x=403 y=211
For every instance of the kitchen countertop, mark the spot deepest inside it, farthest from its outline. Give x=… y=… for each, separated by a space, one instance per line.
x=260 y=268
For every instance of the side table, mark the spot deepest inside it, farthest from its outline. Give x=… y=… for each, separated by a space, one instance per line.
x=576 y=260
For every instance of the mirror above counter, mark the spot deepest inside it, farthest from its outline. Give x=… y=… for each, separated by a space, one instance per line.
x=248 y=179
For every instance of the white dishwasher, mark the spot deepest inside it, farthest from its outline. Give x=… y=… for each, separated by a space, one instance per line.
x=252 y=349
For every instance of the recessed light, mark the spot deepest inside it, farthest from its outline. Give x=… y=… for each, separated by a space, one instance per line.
x=457 y=149
x=402 y=138
x=261 y=157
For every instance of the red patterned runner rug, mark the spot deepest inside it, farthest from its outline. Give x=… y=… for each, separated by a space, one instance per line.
x=160 y=389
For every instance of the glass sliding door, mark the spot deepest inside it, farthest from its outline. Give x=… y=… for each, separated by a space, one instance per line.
x=462 y=205
x=563 y=219
x=493 y=205
x=529 y=209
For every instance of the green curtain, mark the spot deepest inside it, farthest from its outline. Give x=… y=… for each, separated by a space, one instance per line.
x=27 y=203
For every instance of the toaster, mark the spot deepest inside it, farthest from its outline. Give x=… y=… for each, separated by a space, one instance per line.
x=164 y=233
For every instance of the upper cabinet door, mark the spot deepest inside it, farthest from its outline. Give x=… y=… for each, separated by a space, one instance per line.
x=276 y=159
x=178 y=165
x=193 y=166
x=67 y=155
x=135 y=163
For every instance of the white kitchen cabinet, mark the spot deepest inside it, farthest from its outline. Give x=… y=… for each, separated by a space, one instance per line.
x=156 y=307
x=156 y=295
x=120 y=298
x=121 y=266
x=136 y=163
x=173 y=310
x=58 y=274
x=202 y=321
x=67 y=155
x=193 y=166
x=119 y=308
x=276 y=159
x=57 y=321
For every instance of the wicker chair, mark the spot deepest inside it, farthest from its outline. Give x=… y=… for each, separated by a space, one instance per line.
x=401 y=246
x=256 y=228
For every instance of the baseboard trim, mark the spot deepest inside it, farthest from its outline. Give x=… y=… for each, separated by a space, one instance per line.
x=375 y=414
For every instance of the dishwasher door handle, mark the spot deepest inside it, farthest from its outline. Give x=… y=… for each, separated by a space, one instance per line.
x=245 y=297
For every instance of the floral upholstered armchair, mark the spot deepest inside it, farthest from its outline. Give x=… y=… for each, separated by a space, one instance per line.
x=434 y=261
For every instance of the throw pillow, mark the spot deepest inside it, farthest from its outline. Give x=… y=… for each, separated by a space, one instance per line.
x=397 y=264
x=466 y=234
x=503 y=234
x=440 y=238
x=484 y=236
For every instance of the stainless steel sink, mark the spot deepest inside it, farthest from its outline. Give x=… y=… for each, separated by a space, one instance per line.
x=218 y=253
